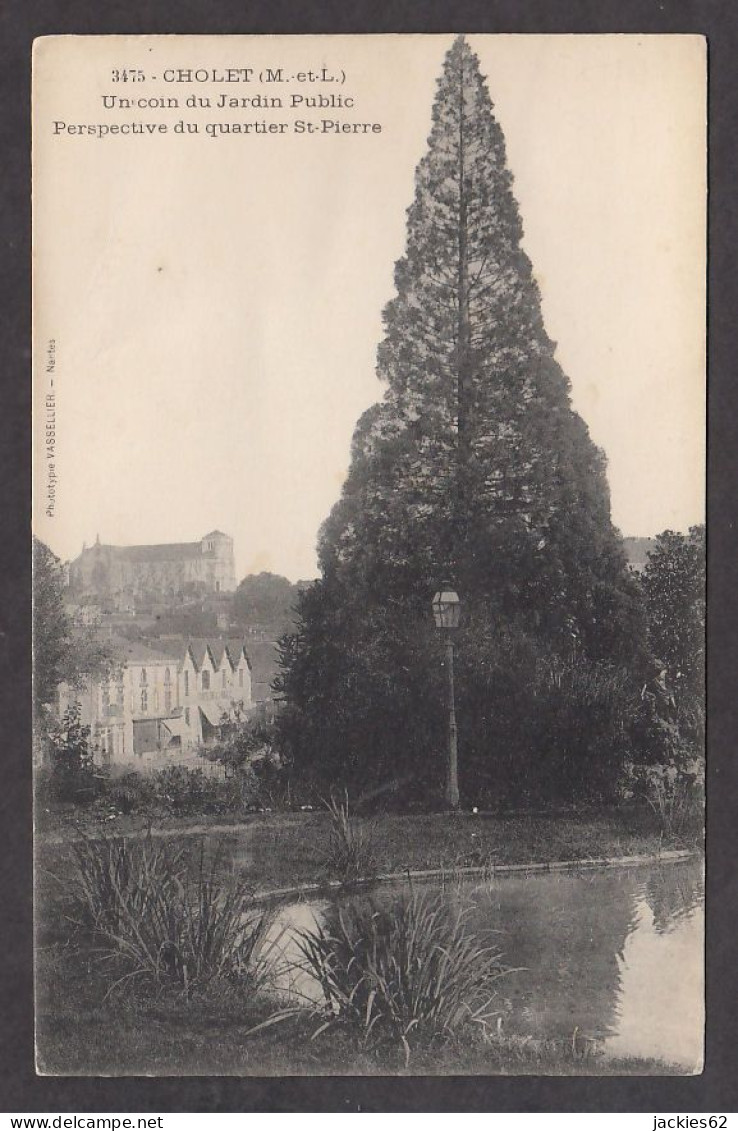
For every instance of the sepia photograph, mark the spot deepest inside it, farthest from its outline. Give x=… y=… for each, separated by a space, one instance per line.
x=369 y=554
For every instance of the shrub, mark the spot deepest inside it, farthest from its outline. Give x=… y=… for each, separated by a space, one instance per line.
x=158 y=918
x=73 y=775
x=350 y=852
x=243 y=738
x=676 y=796
x=130 y=793
x=273 y=788
x=408 y=974
x=247 y=751
x=548 y=730
x=259 y=784
x=182 y=792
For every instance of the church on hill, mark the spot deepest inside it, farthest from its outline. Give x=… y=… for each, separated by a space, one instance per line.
x=128 y=574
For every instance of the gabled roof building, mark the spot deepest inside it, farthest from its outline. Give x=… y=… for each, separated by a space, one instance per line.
x=163 y=701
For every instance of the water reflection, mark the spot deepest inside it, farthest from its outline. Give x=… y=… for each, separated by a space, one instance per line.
x=611 y=957
x=567 y=932
x=673 y=893
x=614 y=957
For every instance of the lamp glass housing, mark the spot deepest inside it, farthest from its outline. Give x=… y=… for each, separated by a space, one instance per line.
x=446 y=609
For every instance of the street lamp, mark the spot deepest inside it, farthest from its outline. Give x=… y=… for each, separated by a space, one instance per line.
x=447 y=613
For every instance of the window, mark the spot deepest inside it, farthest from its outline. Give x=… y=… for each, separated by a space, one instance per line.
x=187 y=683
x=144 y=677
x=156 y=700
x=206 y=681
x=167 y=676
x=167 y=699
x=144 y=700
x=187 y=716
x=223 y=678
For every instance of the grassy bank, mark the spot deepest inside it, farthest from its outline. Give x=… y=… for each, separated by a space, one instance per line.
x=80 y=1034
x=276 y=850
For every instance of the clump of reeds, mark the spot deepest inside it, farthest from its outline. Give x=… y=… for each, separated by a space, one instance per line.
x=159 y=918
x=112 y=876
x=350 y=853
x=410 y=973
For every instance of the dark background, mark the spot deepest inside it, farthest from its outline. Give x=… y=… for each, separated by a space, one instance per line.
x=20 y=1089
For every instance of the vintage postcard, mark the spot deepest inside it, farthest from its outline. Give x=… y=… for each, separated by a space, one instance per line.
x=369 y=475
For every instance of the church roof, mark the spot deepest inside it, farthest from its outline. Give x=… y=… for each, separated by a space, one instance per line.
x=168 y=552
x=159 y=552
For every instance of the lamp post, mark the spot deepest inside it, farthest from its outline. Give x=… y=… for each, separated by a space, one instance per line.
x=447 y=613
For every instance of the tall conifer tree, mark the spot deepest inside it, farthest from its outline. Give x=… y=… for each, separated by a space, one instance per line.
x=474 y=468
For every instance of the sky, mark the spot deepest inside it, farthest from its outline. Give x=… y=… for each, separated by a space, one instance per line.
x=215 y=302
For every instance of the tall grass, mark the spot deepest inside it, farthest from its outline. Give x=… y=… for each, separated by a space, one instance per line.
x=410 y=973
x=158 y=917
x=112 y=877
x=350 y=853
x=676 y=798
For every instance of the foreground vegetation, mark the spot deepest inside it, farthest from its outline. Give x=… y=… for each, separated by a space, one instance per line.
x=154 y=957
x=159 y=924
x=212 y=1034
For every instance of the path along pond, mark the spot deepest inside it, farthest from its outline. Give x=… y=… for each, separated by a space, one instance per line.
x=609 y=958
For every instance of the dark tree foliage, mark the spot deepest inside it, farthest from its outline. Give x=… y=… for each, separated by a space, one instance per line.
x=473 y=469
x=674 y=585
x=265 y=599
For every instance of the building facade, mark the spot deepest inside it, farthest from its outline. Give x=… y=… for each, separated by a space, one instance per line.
x=161 y=702
x=120 y=577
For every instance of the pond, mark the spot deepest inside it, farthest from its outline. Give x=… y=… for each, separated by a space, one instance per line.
x=608 y=958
